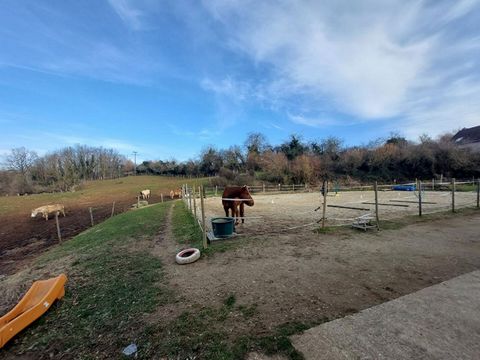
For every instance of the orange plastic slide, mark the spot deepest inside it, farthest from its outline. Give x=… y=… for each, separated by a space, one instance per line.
x=34 y=304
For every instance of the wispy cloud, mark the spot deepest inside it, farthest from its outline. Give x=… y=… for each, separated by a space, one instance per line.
x=372 y=60
x=58 y=41
x=204 y=135
x=236 y=90
x=127 y=11
x=314 y=122
x=230 y=98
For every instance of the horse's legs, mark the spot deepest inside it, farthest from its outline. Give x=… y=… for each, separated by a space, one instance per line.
x=242 y=212
x=237 y=214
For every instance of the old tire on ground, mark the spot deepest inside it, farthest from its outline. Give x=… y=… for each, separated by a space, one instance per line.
x=187 y=256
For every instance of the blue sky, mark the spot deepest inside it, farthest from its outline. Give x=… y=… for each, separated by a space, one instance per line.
x=166 y=78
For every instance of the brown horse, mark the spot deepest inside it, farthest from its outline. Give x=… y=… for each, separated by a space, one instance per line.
x=237 y=207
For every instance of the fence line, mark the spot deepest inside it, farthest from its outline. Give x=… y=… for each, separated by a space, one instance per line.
x=419 y=199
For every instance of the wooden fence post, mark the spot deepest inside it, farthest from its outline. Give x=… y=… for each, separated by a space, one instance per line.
x=91 y=215
x=419 y=198
x=216 y=190
x=113 y=209
x=263 y=186
x=204 y=229
x=293 y=186
x=324 y=210
x=58 y=227
x=376 y=205
x=453 y=194
x=161 y=196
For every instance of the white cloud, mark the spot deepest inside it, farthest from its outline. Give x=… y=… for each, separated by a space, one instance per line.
x=313 y=122
x=230 y=96
x=229 y=87
x=203 y=135
x=371 y=60
x=129 y=14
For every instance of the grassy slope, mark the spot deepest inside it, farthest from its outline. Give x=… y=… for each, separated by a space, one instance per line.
x=92 y=191
x=113 y=280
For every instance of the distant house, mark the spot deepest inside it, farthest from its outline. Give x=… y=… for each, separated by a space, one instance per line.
x=468 y=138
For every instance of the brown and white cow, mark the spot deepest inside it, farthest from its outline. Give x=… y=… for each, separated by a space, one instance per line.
x=145 y=194
x=234 y=198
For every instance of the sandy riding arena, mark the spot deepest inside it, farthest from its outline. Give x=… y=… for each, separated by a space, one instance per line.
x=280 y=213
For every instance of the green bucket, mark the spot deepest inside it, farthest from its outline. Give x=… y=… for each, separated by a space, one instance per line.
x=223 y=227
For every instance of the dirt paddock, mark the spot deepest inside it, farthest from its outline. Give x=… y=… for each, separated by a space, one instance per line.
x=23 y=238
x=304 y=276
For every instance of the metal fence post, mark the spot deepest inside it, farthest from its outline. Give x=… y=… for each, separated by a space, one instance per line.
x=478 y=193
x=376 y=205
x=194 y=204
x=204 y=229
x=419 y=198
x=453 y=194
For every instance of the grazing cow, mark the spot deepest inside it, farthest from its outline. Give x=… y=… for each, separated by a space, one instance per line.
x=237 y=207
x=48 y=209
x=145 y=194
x=175 y=193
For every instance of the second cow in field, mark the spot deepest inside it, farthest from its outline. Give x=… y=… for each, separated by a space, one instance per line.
x=235 y=198
x=175 y=193
x=145 y=194
x=48 y=209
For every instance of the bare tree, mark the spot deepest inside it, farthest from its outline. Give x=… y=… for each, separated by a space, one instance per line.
x=20 y=160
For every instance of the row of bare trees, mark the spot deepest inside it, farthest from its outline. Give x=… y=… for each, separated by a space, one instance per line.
x=296 y=161
x=293 y=161
x=61 y=170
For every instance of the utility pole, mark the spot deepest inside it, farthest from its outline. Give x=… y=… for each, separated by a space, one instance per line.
x=135 y=162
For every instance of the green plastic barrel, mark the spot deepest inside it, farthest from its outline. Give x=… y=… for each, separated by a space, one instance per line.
x=223 y=227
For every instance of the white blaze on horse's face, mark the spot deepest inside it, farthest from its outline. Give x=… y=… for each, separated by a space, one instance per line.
x=250 y=202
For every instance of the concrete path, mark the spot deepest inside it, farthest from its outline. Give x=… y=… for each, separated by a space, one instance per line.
x=438 y=322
